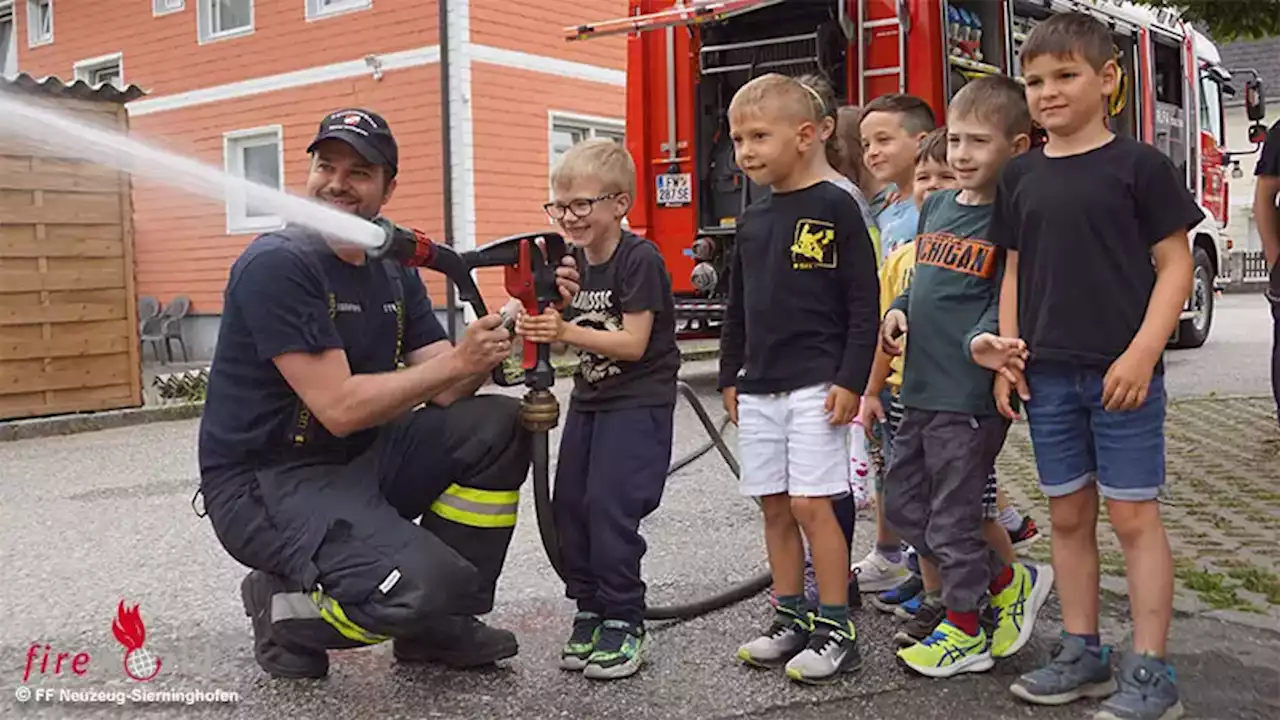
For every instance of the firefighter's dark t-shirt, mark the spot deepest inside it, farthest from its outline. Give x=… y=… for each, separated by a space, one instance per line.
x=1083 y=227
x=804 y=297
x=633 y=280
x=293 y=294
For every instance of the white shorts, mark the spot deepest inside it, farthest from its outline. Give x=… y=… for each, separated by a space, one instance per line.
x=787 y=445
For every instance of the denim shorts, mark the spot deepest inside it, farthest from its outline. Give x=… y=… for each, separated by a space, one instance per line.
x=1077 y=442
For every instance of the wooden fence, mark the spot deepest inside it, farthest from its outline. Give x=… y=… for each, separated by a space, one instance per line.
x=68 y=308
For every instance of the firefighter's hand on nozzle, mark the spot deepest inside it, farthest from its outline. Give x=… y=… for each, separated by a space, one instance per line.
x=484 y=344
x=545 y=328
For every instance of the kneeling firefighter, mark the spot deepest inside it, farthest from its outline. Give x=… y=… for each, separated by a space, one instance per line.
x=314 y=462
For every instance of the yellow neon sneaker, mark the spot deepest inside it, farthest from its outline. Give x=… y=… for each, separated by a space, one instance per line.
x=948 y=651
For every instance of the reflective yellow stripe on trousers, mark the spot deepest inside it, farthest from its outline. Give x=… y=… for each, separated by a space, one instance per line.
x=478 y=508
x=332 y=613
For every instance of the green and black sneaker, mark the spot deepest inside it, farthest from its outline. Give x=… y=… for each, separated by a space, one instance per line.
x=620 y=650
x=582 y=642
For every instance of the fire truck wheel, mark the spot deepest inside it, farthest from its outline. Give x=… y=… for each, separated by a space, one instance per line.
x=1193 y=331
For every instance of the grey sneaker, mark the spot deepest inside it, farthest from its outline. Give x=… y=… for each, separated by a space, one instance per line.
x=832 y=649
x=785 y=637
x=1148 y=691
x=923 y=623
x=1073 y=673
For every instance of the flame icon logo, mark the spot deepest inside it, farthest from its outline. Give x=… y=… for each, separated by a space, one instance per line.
x=139 y=663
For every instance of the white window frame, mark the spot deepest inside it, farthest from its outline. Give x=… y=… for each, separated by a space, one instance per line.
x=10 y=61
x=233 y=161
x=34 y=40
x=204 y=23
x=317 y=10
x=84 y=69
x=159 y=7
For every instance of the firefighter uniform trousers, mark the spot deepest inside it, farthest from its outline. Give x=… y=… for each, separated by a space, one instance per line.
x=355 y=569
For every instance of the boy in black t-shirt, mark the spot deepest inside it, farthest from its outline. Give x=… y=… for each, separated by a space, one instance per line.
x=951 y=432
x=1099 y=267
x=799 y=336
x=616 y=442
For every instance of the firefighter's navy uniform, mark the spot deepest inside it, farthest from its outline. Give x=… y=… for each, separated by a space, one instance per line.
x=328 y=523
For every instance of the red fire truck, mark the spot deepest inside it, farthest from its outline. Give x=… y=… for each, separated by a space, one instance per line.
x=686 y=58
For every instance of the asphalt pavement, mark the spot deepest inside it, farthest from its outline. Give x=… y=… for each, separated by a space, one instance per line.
x=90 y=520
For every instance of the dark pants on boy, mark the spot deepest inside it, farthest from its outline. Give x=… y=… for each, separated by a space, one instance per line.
x=610 y=475
x=933 y=497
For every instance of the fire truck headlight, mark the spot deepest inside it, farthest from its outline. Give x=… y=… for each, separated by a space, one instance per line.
x=704 y=277
x=704 y=248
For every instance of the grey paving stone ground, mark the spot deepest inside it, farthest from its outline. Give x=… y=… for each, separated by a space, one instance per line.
x=91 y=519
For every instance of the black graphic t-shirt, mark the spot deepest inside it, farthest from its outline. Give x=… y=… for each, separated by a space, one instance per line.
x=956 y=278
x=293 y=294
x=633 y=280
x=1083 y=226
x=804 y=296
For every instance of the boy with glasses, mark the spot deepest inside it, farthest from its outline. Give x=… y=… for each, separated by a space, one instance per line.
x=616 y=443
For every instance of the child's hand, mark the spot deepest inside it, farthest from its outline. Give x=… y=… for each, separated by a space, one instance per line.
x=842 y=405
x=870 y=411
x=895 y=324
x=1125 y=385
x=1002 y=392
x=567 y=281
x=545 y=328
x=730 y=399
x=1001 y=354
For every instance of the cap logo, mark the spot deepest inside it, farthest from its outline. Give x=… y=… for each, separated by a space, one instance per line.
x=351 y=119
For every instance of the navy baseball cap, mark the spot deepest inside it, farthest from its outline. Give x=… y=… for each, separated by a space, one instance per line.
x=364 y=130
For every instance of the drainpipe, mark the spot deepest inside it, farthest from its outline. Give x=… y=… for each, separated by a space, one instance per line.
x=446 y=138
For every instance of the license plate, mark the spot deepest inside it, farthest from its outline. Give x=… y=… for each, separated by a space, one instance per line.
x=675 y=189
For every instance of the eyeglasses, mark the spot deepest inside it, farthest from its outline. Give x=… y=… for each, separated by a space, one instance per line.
x=580 y=207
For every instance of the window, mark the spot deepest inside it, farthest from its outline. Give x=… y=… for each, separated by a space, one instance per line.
x=324 y=8
x=39 y=22
x=569 y=130
x=255 y=155
x=221 y=19
x=102 y=71
x=8 y=48
x=165 y=7
x=1211 y=107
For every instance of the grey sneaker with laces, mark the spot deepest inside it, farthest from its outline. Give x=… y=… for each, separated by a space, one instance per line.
x=1148 y=691
x=832 y=650
x=785 y=637
x=1072 y=673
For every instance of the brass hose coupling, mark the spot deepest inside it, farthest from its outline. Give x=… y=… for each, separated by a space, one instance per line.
x=539 y=411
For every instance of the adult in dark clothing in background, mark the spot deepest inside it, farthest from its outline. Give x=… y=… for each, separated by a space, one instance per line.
x=314 y=461
x=1267 y=215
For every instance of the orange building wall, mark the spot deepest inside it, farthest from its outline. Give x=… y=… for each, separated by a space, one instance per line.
x=163 y=54
x=182 y=243
x=533 y=27
x=182 y=246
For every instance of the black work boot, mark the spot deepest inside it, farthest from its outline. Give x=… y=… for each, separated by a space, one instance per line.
x=459 y=641
x=279 y=660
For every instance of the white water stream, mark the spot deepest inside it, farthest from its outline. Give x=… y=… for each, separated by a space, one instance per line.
x=64 y=136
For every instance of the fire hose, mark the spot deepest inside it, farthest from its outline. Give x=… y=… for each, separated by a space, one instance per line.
x=529 y=261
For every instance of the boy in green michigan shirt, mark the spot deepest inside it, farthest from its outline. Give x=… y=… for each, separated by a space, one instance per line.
x=951 y=431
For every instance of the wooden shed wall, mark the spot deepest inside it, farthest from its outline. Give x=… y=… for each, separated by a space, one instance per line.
x=68 y=309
